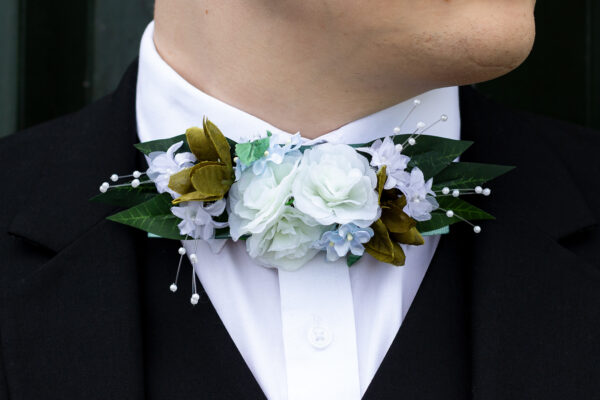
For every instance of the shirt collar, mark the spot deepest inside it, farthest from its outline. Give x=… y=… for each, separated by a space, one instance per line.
x=166 y=105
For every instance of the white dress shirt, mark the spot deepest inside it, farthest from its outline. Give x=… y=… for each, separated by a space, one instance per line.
x=320 y=332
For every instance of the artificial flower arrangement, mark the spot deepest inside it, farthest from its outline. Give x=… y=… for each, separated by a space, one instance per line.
x=289 y=202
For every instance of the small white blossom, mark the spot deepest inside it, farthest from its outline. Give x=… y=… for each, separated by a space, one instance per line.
x=419 y=196
x=385 y=153
x=164 y=164
x=197 y=221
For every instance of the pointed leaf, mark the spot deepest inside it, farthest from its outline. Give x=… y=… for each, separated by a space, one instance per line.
x=399 y=255
x=181 y=182
x=394 y=217
x=200 y=144
x=380 y=246
x=222 y=233
x=459 y=207
x=351 y=259
x=212 y=179
x=467 y=175
x=218 y=142
x=162 y=145
x=431 y=154
x=196 y=196
x=210 y=182
x=411 y=237
x=126 y=196
x=381 y=179
x=153 y=216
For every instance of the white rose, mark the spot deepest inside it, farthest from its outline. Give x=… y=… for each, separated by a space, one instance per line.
x=335 y=184
x=257 y=201
x=287 y=243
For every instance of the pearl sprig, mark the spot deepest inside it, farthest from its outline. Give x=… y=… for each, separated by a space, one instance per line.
x=193 y=260
x=446 y=191
x=135 y=182
x=420 y=129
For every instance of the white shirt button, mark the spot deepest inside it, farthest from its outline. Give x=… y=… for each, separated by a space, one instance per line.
x=319 y=337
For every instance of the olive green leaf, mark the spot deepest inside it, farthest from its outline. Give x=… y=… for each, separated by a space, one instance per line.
x=381 y=179
x=200 y=145
x=181 y=182
x=394 y=217
x=210 y=181
x=218 y=142
x=381 y=246
x=412 y=237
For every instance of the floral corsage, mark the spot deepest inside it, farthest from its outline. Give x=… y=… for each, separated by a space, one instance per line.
x=289 y=202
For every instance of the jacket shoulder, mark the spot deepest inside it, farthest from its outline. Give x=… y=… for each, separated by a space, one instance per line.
x=521 y=137
x=556 y=164
x=39 y=141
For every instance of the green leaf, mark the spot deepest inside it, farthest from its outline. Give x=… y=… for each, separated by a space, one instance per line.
x=162 y=145
x=252 y=151
x=218 y=142
x=467 y=175
x=126 y=196
x=351 y=259
x=152 y=216
x=431 y=154
x=459 y=207
x=222 y=233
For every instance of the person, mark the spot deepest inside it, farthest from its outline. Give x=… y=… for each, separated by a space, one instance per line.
x=511 y=313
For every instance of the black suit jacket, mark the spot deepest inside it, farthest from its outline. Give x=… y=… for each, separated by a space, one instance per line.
x=85 y=312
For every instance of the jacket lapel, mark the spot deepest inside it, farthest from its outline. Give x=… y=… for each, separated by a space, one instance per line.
x=509 y=313
x=74 y=325
x=73 y=320
x=430 y=355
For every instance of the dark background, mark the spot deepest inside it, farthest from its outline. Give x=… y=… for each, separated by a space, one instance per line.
x=56 y=56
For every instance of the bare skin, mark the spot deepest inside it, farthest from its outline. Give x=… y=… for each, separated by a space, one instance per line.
x=315 y=65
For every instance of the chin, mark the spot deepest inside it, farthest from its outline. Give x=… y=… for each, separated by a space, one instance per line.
x=462 y=42
x=481 y=47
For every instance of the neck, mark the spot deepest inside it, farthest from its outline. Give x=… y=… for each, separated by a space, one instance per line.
x=297 y=77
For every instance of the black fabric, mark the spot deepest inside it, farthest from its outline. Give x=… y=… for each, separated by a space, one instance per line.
x=85 y=312
x=188 y=350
